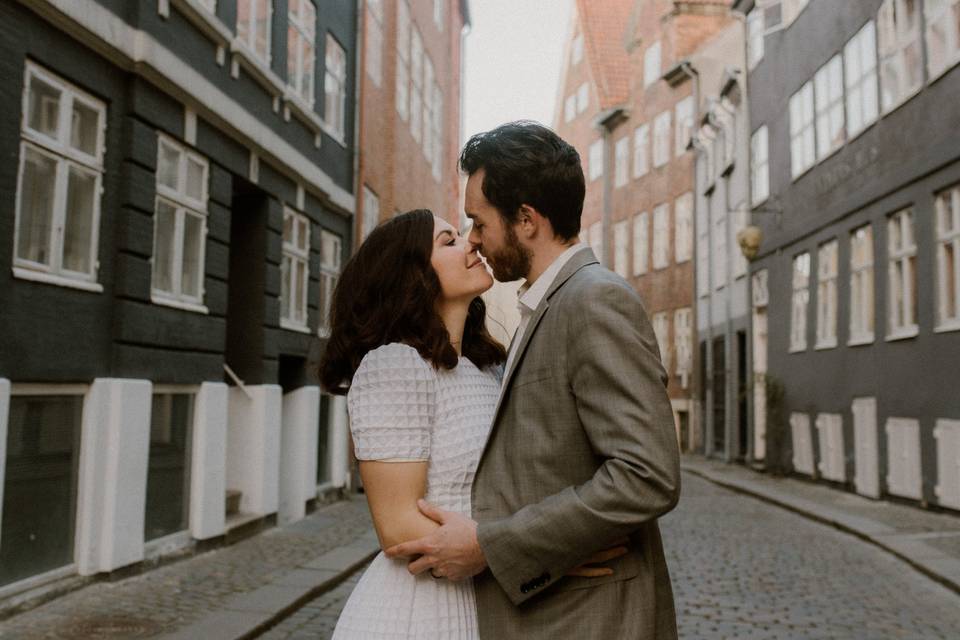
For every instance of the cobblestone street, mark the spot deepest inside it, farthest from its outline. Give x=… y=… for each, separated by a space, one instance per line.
x=744 y=569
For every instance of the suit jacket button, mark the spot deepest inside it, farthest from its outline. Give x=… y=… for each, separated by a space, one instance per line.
x=524 y=589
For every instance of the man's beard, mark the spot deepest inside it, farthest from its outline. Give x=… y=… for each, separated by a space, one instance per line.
x=513 y=261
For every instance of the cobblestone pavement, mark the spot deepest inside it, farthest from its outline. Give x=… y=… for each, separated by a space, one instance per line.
x=742 y=568
x=167 y=598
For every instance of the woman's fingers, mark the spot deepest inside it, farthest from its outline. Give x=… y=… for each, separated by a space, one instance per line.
x=584 y=571
x=606 y=555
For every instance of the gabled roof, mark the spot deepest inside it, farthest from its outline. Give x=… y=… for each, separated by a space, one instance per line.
x=602 y=23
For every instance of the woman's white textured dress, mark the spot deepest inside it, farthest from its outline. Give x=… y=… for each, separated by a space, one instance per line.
x=402 y=408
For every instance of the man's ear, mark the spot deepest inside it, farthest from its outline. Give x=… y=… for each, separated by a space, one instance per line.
x=531 y=221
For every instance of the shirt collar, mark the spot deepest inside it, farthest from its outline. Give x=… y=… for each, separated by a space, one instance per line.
x=530 y=295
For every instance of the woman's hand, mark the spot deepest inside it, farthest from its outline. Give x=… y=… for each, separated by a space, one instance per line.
x=584 y=570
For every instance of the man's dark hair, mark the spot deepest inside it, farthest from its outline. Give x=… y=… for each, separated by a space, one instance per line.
x=525 y=163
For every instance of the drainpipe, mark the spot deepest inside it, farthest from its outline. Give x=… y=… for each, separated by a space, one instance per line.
x=607 y=121
x=358 y=128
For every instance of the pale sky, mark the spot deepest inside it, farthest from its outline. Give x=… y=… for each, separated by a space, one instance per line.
x=512 y=61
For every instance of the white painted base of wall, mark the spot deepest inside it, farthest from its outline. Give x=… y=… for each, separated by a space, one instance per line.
x=208 y=462
x=112 y=483
x=866 y=447
x=339 y=443
x=298 y=452
x=4 y=418
x=253 y=447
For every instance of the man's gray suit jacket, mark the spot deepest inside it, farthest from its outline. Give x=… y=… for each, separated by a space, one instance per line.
x=582 y=452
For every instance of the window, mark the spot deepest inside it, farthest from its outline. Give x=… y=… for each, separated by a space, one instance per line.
x=802 y=440
x=59 y=182
x=330 y=255
x=661 y=139
x=754 y=38
x=416 y=79
x=168 y=477
x=371 y=211
x=861 y=285
x=40 y=483
x=720 y=250
x=335 y=86
x=596 y=240
x=596 y=159
x=684 y=124
x=830 y=436
x=901 y=64
x=948 y=259
x=622 y=168
x=436 y=136
x=570 y=107
x=253 y=27
x=641 y=243
x=576 y=54
x=683 y=211
x=301 y=49
x=801 y=296
x=827 y=295
x=904 y=473
x=180 y=226
x=621 y=241
x=801 y=130
x=374 y=41
x=860 y=59
x=583 y=97
x=403 y=61
x=428 y=105
x=902 y=256
x=683 y=340
x=759 y=166
x=294 y=270
x=831 y=132
x=661 y=327
x=661 y=236
x=439 y=10
x=943 y=34
x=651 y=65
x=641 y=150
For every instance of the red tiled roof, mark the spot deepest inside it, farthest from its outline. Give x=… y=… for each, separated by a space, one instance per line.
x=603 y=23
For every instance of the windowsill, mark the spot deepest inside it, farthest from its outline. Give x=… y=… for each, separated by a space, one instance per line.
x=310 y=117
x=949 y=325
x=946 y=67
x=831 y=152
x=166 y=545
x=904 y=100
x=860 y=340
x=205 y=21
x=185 y=305
x=794 y=178
x=903 y=334
x=797 y=349
x=758 y=203
x=290 y=325
x=60 y=281
x=37 y=581
x=826 y=344
x=258 y=69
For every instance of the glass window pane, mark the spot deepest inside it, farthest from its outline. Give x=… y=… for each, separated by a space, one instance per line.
x=303 y=234
x=78 y=222
x=39 y=485
x=44 y=107
x=168 y=168
x=164 y=231
x=167 y=472
x=84 y=128
x=300 y=303
x=36 y=207
x=288 y=228
x=192 y=255
x=196 y=176
x=285 y=270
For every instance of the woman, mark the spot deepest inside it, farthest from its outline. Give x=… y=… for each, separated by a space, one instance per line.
x=409 y=343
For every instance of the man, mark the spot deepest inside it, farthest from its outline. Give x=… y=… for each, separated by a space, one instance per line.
x=582 y=452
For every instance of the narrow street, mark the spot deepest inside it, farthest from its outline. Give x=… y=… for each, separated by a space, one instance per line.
x=744 y=569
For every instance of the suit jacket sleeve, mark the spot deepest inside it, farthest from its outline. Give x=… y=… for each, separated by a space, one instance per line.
x=615 y=374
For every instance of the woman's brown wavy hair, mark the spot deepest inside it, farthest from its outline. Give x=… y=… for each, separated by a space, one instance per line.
x=387 y=293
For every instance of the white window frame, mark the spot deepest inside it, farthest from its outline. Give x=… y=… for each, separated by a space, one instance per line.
x=621 y=242
x=371 y=211
x=304 y=26
x=720 y=244
x=436 y=135
x=894 y=39
x=901 y=276
x=402 y=73
x=861 y=80
x=904 y=475
x=947 y=489
x=802 y=138
x=683 y=227
x=661 y=328
x=331 y=254
x=439 y=14
x=661 y=236
x=335 y=87
x=703 y=264
x=641 y=243
x=570 y=107
x=66 y=157
x=641 y=150
x=948 y=259
x=802 y=440
x=759 y=166
x=943 y=15
x=862 y=310
x=799 y=302
x=595 y=233
x=828 y=255
x=576 y=49
x=248 y=39
x=652 y=64
x=684 y=125
x=583 y=97
x=661 y=138
x=622 y=161
x=596 y=159
x=832 y=464
x=428 y=103
x=373 y=43
x=292 y=316
x=184 y=205
x=755 y=37
x=831 y=127
x=683 y=342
